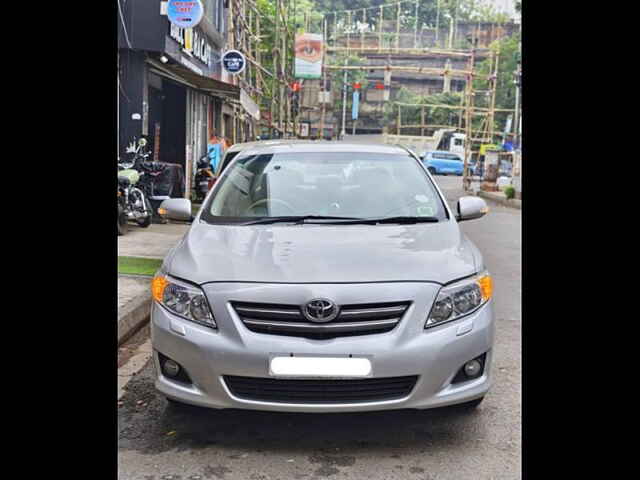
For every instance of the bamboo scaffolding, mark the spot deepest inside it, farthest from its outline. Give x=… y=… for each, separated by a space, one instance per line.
x=464 y=115
x=432 y=126
x=409 y=50
x=456 y=107
x=425 y=70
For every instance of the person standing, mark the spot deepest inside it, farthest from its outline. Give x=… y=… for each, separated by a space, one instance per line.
x=214 y=150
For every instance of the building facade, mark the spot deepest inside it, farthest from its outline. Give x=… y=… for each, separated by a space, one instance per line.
x=171 y=86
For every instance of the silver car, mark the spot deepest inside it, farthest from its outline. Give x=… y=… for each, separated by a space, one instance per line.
x=323 y=277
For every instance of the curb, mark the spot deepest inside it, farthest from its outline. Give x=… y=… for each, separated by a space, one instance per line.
x=133 y=317
x=133 y=366
x=495 y=197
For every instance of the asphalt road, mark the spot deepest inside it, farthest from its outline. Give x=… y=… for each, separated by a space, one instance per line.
x=157 y=442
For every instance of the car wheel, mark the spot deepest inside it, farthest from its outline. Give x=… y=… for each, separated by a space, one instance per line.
x=432 y=170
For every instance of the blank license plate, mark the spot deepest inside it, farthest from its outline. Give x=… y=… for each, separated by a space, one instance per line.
x=320 y=367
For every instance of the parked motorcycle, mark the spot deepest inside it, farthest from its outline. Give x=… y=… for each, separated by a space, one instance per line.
x=123 y=220
x=133 y=202
x=203 y=179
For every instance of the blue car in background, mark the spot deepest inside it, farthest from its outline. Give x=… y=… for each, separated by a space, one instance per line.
x=443 y=163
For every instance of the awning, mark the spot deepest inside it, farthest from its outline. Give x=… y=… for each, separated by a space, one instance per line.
x=249 y=105
x=182 y=74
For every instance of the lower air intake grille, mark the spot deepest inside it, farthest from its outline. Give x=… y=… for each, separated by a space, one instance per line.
x=320 y=391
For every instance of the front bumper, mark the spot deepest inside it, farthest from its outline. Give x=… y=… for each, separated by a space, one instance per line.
x=435 y=355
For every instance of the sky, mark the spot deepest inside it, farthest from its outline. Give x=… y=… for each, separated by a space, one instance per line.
x=506 y=6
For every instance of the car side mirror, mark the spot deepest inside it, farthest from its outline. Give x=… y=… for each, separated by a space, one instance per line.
x=176 y=209
x=470 y=208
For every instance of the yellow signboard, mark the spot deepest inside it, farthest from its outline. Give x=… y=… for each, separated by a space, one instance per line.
x=188 y=39
x=485 y=147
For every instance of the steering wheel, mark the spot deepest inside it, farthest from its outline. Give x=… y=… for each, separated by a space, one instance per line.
x=275 y=200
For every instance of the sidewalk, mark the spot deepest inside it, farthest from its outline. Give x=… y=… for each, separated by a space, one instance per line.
x=501 y=198
x=134 y=293
x=152 y=242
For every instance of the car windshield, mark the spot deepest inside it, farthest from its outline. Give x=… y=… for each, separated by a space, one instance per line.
x=336 y=184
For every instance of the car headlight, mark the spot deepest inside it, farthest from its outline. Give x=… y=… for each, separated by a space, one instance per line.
x=183 y=299
x=460 y=299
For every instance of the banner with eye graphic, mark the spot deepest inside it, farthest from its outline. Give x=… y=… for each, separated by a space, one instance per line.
x=308 y=49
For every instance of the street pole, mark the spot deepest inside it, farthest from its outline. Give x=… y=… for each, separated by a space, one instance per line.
x=344 y=101
x=324 y=76
x=517 y=109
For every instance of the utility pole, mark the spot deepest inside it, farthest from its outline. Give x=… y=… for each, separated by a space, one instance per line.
x=344 y=100
x=517 y=121
x=324 y=76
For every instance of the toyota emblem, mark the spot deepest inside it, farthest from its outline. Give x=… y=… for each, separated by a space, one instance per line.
x=320 y=310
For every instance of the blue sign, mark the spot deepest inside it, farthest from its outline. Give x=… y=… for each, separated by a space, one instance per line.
x=356 y=104
x=233 y=61
x=185 y=13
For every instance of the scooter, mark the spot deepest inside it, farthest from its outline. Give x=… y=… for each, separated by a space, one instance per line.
x=203 y=179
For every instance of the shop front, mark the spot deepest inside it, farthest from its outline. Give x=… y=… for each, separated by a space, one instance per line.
x=172 y=88
x=188 y=69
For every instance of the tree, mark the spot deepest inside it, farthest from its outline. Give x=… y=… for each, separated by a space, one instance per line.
x=353 y=76
x=428 y=12
x=507 y=66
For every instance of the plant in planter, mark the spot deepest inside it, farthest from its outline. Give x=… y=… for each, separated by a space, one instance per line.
x=510 y=192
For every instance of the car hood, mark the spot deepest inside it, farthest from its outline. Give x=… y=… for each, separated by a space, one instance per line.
x=436 y=252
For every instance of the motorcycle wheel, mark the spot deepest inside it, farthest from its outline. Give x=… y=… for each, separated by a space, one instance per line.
x=145 y=222
x=123 y=226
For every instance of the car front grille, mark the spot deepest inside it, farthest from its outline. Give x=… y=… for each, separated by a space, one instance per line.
x=362 y=319
x=320 y=391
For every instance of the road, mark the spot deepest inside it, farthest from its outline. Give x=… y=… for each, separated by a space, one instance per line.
x=159 y=443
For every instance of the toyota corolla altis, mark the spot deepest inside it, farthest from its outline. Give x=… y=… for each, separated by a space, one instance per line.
x=323 y=277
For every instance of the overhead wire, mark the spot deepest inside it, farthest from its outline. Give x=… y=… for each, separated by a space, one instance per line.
x=124 y=27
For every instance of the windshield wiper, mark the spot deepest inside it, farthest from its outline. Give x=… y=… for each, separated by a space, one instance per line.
x=389 y=220
x=300 y=219
x=343 y=220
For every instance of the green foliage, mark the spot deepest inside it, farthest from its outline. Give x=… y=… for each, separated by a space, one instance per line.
x=353 y=76
x=296 y=12
x=433 y=115
x=138 y=265
x=505 y=87
x=462 y=10
x=510 y=192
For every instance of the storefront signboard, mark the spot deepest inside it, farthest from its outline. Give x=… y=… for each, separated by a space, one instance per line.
x=233 y=62
x=185 y=13
x=194 y=43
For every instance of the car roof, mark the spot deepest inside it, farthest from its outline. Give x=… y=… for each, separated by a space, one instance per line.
x=238 y=147
x=444 y=151
x=296 y=146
